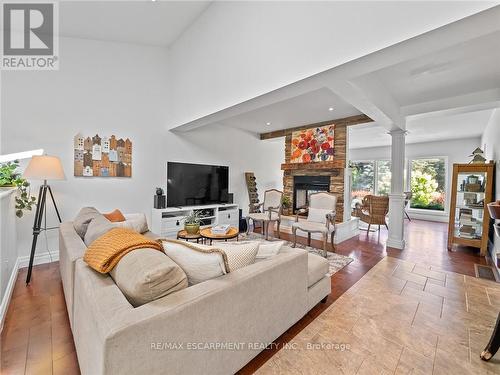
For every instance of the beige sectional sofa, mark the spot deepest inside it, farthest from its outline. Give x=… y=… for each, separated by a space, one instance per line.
x=214 y=327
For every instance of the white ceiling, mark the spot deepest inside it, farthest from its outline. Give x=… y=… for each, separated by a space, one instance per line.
x=157 y=23
x=464 y=68
x=307 y=108
x=428 y=129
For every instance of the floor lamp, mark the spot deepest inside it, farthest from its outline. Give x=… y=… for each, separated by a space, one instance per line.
x=42 y=168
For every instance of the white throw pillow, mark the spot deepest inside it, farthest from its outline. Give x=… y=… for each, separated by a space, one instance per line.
x=318 y=215
x=239 y=254
x=269 y=248
x=100 y=225
x=138 y=222
x=144 y=275
x=83 y=219
x=199 y=262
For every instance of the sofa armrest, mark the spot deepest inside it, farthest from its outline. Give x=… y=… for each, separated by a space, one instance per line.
x=253 y=305
x=71 y=248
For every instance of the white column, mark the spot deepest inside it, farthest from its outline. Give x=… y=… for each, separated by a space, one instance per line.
x=397 y=197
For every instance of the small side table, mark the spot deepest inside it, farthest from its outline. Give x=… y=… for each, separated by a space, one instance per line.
x=183 y=235
x=206 y=233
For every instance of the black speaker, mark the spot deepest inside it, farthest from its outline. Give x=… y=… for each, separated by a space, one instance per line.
x=243 y=222
x=230 y=197
x=160 y=201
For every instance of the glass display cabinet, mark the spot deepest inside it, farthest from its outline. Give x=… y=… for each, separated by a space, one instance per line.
x=472 y=190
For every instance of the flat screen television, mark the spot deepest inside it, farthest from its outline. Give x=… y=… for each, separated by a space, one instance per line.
x=196 y=184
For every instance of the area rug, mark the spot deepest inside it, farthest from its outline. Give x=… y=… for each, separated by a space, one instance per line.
x=336 y=261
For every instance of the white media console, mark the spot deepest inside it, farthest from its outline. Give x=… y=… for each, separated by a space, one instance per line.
x=168 y=221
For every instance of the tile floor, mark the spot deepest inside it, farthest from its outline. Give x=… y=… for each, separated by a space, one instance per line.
x=400 y=318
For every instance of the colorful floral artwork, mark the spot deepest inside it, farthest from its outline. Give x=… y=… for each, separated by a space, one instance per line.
x=313 y=145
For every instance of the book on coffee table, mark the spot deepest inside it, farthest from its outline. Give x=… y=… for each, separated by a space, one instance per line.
x=220 y=229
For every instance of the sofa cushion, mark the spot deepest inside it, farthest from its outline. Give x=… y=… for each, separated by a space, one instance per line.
x=317 y=268
x=199 y=262
x=268 y=249
x=100 y=225
x=239 y=254
x=318 y=215
x=115 y=216
x=83 y=219
x=145 y=275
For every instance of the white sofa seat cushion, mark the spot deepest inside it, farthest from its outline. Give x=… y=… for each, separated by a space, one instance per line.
x=145 y=275
x=309 y=226
x=199 y=262
x=317 y=268
x=259 y=216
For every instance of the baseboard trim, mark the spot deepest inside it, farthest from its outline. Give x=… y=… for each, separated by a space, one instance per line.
x=40 y=258
x=396 y=244
x=8 y=293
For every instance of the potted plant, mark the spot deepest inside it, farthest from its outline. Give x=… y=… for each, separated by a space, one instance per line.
x=192 y=222
x=11 y=178
x=286 y=203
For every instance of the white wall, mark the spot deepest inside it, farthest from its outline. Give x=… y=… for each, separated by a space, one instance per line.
x=122 y=89
x=456 y=150
x=491 y=146
x=239 y=50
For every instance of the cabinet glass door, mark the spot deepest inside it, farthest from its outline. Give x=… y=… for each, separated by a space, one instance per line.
x=469 y=211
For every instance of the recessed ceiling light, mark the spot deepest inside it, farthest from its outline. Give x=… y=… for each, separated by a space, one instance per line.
x=330 y=109
x=268 y=123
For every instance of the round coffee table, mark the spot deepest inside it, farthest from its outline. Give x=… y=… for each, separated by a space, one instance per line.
x=206 y=233
x=184 y=235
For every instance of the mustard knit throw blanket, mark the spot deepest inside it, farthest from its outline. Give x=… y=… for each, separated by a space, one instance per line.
x=105 y=252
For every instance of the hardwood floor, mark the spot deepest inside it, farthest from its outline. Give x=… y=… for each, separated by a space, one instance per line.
x=37 y=339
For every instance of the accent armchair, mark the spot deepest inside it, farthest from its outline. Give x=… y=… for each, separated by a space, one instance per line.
x=320 y=219
x=271 y=211
x=373 y=210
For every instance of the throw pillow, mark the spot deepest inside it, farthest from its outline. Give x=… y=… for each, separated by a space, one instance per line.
x=239 y=254
x=82 y=220
x=100 y=225
x=115 y=216
x=318 y=215
x=145 y=275
x=199 y=262
x=269 y=248
x=138 y=222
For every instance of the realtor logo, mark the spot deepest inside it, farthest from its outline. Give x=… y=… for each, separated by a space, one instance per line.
x=29 y=36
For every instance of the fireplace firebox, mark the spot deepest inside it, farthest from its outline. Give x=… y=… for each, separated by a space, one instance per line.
x=304 y=186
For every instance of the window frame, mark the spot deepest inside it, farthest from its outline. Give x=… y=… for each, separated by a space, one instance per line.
x=446 y=186
x=375 y=170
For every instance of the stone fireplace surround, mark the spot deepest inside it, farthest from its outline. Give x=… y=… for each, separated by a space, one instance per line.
x=333 y=169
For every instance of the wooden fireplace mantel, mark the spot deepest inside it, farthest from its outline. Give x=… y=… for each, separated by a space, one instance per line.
x=322 y=165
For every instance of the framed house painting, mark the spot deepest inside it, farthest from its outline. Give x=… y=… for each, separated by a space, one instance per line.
x=102 y=156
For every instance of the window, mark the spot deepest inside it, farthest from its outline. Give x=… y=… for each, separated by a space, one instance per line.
x=370 y=177
x=363 y=179
x=428 y=183
x=383 y=177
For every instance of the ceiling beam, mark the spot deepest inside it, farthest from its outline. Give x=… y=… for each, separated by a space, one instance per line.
x=472 y=102
x=346 y=121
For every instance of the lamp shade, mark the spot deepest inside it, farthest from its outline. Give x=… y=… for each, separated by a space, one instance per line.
x=44 y=168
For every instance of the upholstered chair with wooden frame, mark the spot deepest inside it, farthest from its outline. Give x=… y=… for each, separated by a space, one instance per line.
x=373 y=210
x=320 y=219
x=271 y=212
